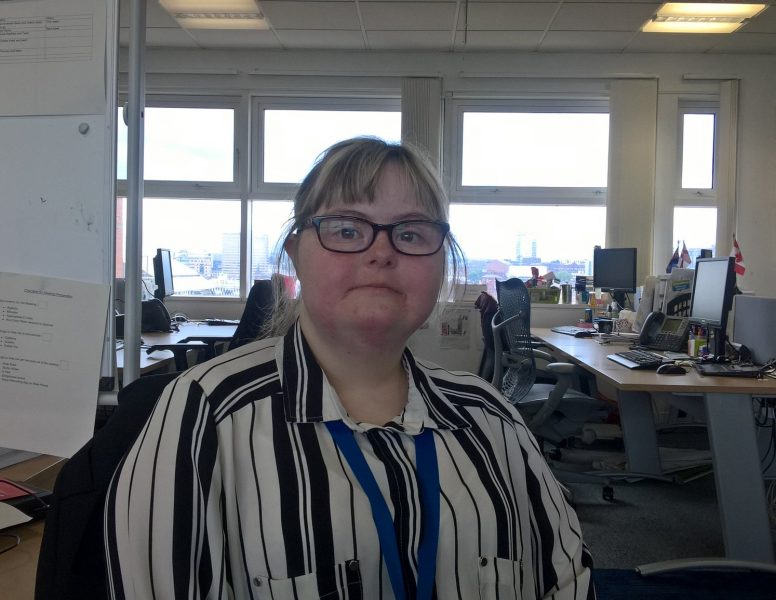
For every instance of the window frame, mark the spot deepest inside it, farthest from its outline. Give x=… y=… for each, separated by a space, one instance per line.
x=263 y=190
x=696 y=197
x=187 y=189
x=455 y=109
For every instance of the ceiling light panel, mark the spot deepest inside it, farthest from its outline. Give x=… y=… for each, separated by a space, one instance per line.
x=701 y=17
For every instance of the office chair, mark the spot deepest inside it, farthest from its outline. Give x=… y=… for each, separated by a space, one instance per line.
x=72 y=552
x=258 y=309
x=554 y=412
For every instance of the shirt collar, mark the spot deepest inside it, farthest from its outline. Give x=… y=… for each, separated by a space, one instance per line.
x=309 y=397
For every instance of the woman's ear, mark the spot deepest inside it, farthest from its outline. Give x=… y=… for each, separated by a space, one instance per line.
x=290 y=246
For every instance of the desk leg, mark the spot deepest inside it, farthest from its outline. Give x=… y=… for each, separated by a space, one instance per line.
x=638 y=433
x=739 y=480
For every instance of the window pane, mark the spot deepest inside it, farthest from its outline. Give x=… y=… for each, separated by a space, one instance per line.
x=506 y=241
x=183 y=144
x=698 y=151
x=697 y=228
x=203 y=236
x=269 y=220
x=535 y=149
x=293 y=139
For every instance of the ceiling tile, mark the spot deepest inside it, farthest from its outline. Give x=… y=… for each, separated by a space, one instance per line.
x=746 y=43
x=585 y=41
x=327 y=40
x=409 y=40
x=601 y=17
x=671 y=42
x=765 y=22
x=161 y=37
x=396 y=16
x=240 y=38
x=501 y=16
x=156 y=16
x=526 y=41
x=304 y=14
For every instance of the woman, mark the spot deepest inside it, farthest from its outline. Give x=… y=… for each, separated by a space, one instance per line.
x=330 y=462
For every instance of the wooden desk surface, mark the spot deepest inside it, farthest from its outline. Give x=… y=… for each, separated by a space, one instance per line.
x=164 y=358
x=591 y=355
x=18 y=566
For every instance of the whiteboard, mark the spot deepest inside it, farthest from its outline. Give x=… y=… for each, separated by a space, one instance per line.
x=55 y=200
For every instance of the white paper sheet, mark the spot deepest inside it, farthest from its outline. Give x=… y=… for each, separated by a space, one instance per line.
x=10 y=516
x=54 y=53
x=51 y=333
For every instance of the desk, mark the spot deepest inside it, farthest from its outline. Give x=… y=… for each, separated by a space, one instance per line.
x=18 y=566
x=730 y=423
x=164 y=358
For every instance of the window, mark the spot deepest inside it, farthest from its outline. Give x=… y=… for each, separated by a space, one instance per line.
x=291 y=134
x=294 y=138
x=698 y=151
x=502 y=241
x=695 y=202
x=696 y=227
x=534 y=149
x=184 y=144
x=267 y=224
x=528 y=181
x=203 y=237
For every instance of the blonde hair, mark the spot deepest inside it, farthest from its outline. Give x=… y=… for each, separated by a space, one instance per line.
x=348 y=173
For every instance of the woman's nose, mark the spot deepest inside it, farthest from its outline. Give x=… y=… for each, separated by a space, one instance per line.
x=382 y=249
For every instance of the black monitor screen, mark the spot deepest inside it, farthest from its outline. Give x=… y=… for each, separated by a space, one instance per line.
x=163 y=274
x=614 y=269
x=712 y=293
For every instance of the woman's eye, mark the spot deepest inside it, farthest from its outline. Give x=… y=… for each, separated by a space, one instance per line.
x=410 y=237
x=348 y=233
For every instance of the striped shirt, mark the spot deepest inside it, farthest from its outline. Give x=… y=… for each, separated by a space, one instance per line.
x=236 y=489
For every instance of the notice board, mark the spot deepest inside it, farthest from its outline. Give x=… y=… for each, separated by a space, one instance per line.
x=57 y=128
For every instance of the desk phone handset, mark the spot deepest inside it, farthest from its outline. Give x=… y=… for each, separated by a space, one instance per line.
x=661 y=332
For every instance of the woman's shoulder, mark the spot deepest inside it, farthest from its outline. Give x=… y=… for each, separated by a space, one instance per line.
x=464 y=388
x=255 y=361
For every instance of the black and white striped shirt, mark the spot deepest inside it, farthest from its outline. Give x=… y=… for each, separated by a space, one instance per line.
x=235 y=489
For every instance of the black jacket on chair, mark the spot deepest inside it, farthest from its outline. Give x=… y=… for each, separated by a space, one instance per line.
x=72 y=552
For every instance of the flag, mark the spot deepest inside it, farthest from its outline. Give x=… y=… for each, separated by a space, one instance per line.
x=736 y=251
x=684 y=259
x=674 y=260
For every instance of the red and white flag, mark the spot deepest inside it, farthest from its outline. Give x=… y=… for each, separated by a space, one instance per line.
x=684 y=258
x=736 y=251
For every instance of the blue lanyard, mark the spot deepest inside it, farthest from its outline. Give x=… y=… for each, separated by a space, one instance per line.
x=428 y=477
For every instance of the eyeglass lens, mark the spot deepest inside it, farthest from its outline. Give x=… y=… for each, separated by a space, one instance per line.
x=343 y=234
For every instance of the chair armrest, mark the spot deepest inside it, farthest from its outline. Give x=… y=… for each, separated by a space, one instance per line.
x=179 y=351
x=562 y=368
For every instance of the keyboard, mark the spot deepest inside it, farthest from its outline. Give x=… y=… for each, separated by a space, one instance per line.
x=575 y=331
x=637 y=359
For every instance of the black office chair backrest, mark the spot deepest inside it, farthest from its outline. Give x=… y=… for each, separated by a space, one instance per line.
x=518 y=360
x=258 y=309
x=72 y=551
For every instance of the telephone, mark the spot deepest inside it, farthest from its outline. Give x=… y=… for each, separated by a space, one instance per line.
x=661 y=332
x=154 y=316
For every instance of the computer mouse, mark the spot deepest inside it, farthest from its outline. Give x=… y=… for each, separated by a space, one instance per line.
x=584 y=334
x=671 y=369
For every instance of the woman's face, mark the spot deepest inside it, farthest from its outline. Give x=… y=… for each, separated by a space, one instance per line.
x=378 y=296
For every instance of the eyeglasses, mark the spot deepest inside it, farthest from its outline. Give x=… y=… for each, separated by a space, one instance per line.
x=353 y=234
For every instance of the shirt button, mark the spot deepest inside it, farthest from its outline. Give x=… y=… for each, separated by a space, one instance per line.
x=353 y=566
x=483 y=562
x=257 y=582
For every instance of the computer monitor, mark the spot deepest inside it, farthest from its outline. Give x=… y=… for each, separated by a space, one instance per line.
x=163 y=274
x=712 y=296
x=614 y=270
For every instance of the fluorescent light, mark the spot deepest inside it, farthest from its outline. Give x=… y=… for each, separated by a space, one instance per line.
x=701 y=17
x=216 y=14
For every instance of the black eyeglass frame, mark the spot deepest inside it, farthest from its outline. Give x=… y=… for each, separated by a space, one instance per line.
x=315 y=222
